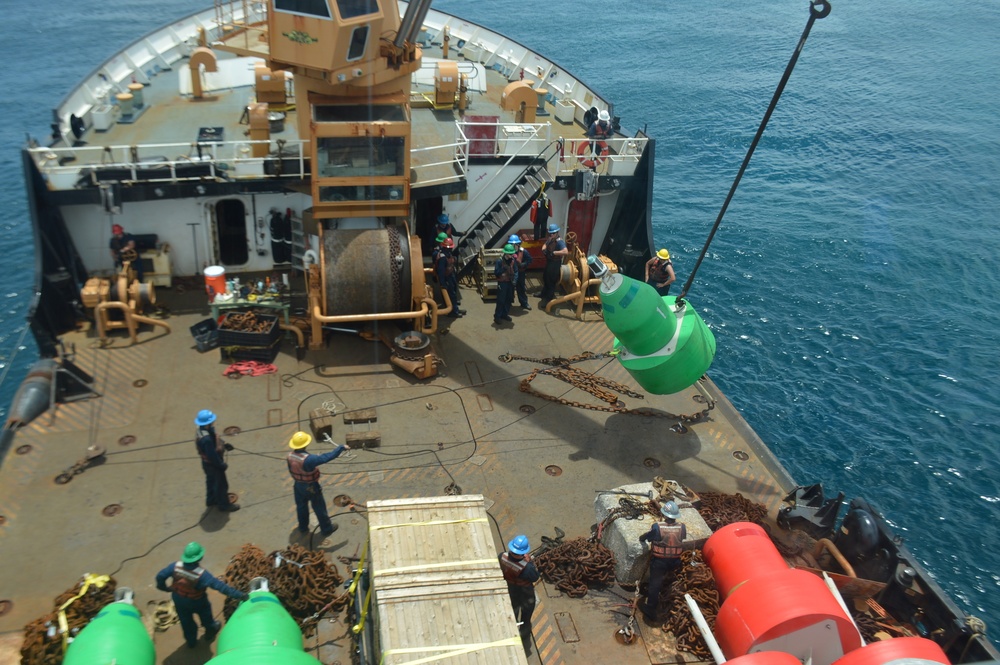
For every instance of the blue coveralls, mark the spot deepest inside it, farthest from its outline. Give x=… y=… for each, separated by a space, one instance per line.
x=444 y=265
x=506 y=272
x=523 y=260
x=195 y=600
x=664 y=558
x=308 y=490
x=521 y=575
x=553 y=267
x=216 y=484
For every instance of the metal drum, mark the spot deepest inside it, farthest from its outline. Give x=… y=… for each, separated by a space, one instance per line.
x=366 y=271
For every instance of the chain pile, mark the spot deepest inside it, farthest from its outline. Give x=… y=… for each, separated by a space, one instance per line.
x=719 y=509
x=575 y=566
x=695 y=579
x=246 y=322
x=629 y=509
x=604 y=389
x=303 y=580
x=43 y=645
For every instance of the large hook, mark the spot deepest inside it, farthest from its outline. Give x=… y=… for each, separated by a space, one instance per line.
x=819 y=8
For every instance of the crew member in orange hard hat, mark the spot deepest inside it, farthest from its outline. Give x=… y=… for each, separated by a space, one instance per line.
x=660 y=272
x=308 y=491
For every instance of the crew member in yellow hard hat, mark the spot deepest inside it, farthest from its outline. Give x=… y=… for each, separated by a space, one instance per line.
x=188 y=592
x=303 y=468
x=660 y=272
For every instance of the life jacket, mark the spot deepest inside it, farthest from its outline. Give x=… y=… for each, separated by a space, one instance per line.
x=295 y=462
x=658 y=271
x=512 y=569
x=451 y=264
x=669 y=544
x=186 y=580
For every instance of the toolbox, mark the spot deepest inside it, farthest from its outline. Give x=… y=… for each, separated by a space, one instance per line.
x=206 y=335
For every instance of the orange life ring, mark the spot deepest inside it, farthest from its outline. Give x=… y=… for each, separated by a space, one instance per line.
x=588 y=157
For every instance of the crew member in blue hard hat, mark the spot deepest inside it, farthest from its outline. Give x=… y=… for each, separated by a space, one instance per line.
x=553 y=250
x=660 y=272
x=666 y=542
x=188 y=592
x=307 y=489
x=445 y=226
x=506 y=273
x=523 y=260
x=521 y=575
x=211 y=449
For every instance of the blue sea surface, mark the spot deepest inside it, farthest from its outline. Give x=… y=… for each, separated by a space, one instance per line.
x=852 y=286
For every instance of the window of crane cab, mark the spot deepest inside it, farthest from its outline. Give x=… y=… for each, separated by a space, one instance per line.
x=315 y=8
x=349 y=9
x=359 y=42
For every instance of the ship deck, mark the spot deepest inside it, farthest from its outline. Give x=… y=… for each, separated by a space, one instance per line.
x=172 y=129
x=538 y=463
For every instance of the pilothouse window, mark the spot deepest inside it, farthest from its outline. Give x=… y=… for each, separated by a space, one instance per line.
x=319 y=8
x=353 y=8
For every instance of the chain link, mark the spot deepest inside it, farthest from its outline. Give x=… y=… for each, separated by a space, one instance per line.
x=604 y=389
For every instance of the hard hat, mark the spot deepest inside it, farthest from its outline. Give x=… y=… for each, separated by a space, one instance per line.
x=117 y=228
x=299 y=441
x=604 y=115
x=443 y=218
x=663 y=254
x=670 y=510
x=519 y=545
x=514 y=239
x=553 y=228
x=192 y=553
x=441 y=237
x=508 y=249
x=448 y=242
x=204 y=418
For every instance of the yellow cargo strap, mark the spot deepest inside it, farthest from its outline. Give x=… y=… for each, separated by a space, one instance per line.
x=89 y=579
x=450 y=650
x=431 y=523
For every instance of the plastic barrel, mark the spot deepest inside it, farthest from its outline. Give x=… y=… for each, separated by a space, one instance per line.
x=908 y=650
x=215 y=280
x=738 y=552
x=261 y=632
x=115 y=635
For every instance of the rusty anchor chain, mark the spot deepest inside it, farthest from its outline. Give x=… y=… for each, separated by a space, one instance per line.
x=606 y=390
x=575 y=566
x=303 y=580
x=246 y=322
x=43 y=643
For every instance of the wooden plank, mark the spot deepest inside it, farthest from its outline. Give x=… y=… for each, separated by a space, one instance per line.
x=360 y=416
x=370 y=439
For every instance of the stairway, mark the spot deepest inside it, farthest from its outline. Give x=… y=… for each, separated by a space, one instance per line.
x=495 y=225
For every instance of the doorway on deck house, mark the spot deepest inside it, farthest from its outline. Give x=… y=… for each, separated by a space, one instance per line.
x=231 y=232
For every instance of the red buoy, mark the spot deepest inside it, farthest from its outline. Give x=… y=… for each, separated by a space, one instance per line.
x=791 y=611
x=738 y=552
x=911 y=650
x=765 y=658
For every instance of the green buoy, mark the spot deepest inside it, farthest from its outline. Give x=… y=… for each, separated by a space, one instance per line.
x=665 y=346
x=115 y=635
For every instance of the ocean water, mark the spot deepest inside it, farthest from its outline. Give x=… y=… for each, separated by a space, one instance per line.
x=852 y=286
